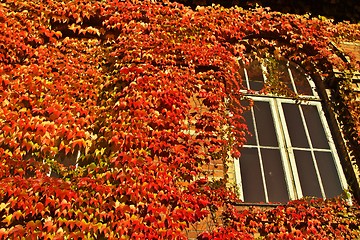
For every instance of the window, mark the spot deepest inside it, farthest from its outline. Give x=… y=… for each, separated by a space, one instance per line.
x=291 y=153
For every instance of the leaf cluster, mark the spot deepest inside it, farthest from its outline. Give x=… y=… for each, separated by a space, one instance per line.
x=110 y=111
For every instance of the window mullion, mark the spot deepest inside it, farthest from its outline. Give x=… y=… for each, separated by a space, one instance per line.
x=247 y=79
x=312 y=85
x=291 y=77
x=77 y=158
x=238 y=178
x=290 y=152
x=286 y=155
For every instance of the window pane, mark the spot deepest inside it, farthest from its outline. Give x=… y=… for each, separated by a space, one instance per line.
x=315 y=127
x=265 y=124
x=301 y=82
x=255 y=75
x=274 y=175
x=307 y=174
x=251 y=140
x=251 y=176
x=295 y=125
x=328 y=173
x=284 y=75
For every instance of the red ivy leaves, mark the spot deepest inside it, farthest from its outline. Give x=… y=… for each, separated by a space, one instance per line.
x=121 y=103
x=297 y=220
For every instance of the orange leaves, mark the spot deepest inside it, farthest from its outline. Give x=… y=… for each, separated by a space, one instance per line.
x=315 y=224
x=17 y=215
x=60 y=19
x=32 y=225
x=6 y=129
x=78 y=143
x=135 y=69
x=65 y=204
x=3 y=233
x=49 y=225
x=114 y=121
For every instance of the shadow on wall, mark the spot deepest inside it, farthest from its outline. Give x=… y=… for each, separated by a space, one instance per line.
x=336 y=9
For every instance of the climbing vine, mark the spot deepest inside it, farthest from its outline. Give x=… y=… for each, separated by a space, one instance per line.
x=99 y=137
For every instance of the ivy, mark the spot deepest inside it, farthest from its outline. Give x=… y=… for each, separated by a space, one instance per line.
x=112 y=111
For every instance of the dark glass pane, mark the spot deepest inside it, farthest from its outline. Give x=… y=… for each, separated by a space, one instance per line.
x=274 y=176
x=315 y=127
x=251 y=140
x=265 y=124
x=251 y=176
x=295 y=125
x=255 y=76
x=307 y=174
x=329 y=176
x=284 y=74
x=301 y=82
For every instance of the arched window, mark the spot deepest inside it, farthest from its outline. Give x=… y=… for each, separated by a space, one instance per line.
x=291 y=153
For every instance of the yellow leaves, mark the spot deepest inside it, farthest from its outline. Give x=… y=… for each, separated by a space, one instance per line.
x=99 y=152
x=61 y=19
x=23 y=110
x=7 y=220
x=118 y=204
x=5 y=103
x=4 y=206
x=87 y=30
x=93 y=30
x=79 y=20
x=74 y=27
x=92 y=166
x=87 y=146
x=58 y=34
x=8 y=152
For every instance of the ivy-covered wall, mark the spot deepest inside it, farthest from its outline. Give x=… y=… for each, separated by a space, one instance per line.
x=109 y=85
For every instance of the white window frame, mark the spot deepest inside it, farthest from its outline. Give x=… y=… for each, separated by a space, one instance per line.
x=286 y=149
